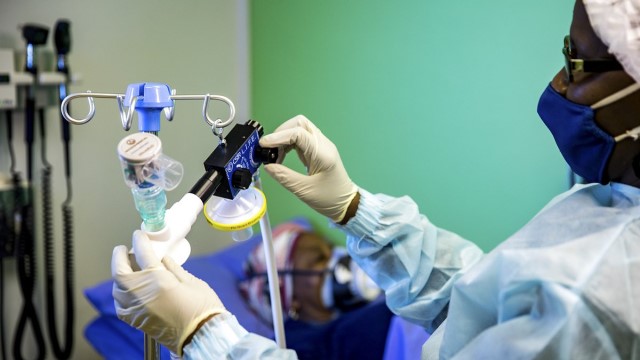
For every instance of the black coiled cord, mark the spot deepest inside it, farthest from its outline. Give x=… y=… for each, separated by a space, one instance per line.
x=25 y=253
x=67 y=218
x=61 y=352
x=25 y=250
x=8 y=230
x=3 y=345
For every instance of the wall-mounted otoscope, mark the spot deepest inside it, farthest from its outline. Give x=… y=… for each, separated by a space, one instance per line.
x=24 y=237
x=34 y=35
x=62 y=38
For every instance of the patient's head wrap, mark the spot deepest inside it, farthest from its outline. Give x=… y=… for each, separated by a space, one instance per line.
x=255 y=288
x=617 y=24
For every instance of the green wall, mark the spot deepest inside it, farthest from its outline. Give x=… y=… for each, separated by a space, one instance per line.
x=435 y=100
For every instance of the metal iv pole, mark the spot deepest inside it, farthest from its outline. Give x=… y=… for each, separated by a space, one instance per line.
x=149 y=122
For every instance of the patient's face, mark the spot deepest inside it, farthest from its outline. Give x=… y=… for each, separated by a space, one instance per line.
x=312 y=252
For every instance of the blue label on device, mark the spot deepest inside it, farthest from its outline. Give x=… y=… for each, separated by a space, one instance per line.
x=243 y=159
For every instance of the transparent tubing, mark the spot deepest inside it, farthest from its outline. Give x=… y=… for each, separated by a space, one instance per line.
x=272 y=274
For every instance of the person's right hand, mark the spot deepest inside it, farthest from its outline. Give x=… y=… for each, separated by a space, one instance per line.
x=327 y=187
x=162 y=299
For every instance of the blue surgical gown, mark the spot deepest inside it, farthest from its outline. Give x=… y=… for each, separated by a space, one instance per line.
x=566 y=286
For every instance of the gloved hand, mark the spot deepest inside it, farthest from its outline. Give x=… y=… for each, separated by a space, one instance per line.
x=162 y=299
x=327 y=187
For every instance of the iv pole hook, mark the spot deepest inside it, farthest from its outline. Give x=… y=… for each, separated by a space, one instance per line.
x=205 y=107
x=64 y=107
x=126 y=115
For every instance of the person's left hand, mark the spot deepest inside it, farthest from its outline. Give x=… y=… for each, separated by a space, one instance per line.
x=162 y=299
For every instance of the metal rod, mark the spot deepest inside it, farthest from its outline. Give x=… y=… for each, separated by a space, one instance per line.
x=151 y=348
x=272 y=274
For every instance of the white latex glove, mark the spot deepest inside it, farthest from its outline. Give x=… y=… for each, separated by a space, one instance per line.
x=327 y=187
x=162 y=299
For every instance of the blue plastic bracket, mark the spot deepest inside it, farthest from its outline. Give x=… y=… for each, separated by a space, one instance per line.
x=152 y=99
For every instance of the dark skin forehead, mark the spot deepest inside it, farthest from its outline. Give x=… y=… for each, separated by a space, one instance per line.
x=588 y=44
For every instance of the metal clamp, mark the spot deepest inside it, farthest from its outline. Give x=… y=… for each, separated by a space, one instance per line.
x=126 y=114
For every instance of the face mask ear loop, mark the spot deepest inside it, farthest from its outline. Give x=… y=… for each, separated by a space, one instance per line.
x=616 y=96
x=633 y=133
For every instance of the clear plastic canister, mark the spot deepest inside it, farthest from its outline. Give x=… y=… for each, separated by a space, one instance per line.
x=142 y=162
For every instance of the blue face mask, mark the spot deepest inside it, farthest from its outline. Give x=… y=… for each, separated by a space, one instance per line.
x=584 y=146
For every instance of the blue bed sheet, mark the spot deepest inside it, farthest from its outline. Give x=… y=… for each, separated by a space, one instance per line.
x=364 y=331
